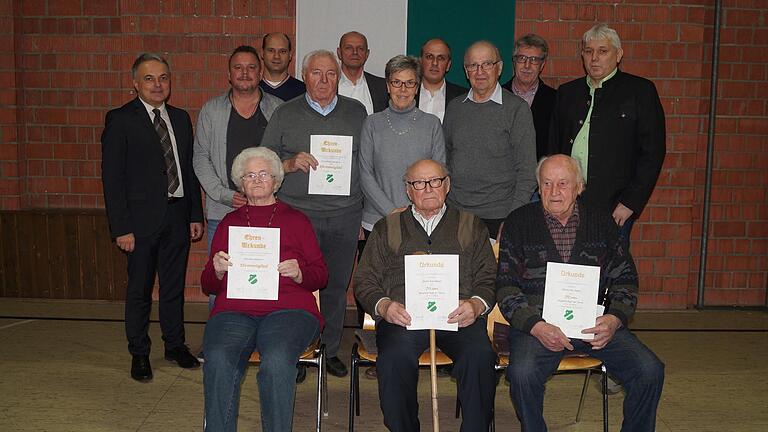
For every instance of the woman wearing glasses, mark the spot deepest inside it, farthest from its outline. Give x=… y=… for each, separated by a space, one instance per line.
x=393 y=139
x=279 y=329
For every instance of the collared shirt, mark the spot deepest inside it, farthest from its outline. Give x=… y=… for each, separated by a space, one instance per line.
x=580 y=149
x=429 y=225
x=495 y=97
x=358 y=90
x=433 y=104
x=564 y=236
x=179 y=192
x=316 y=106
x=526 y=95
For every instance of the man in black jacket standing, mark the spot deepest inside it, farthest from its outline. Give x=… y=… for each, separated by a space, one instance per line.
x=153 y=205
x=354 y=82
x=529 y=60
x=612 y=122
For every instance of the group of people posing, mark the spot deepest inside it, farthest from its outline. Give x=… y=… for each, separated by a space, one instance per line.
x=599 y=141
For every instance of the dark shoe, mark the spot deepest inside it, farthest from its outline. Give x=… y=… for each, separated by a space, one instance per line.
x=140 y=368
x=335 y=367
x=201 y=356
x=301 y=373
x=182 y=357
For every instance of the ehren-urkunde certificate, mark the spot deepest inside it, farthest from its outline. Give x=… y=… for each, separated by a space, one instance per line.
x=334 y=164
x=254 y=254
x=570 y=298
x=431 y=290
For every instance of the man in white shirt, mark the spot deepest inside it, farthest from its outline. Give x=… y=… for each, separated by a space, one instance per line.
x=435 y=92
x=354 y=82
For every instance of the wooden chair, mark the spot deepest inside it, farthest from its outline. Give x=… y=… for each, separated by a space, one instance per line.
x=573 y=362
x=314 y=355
x=365 y=355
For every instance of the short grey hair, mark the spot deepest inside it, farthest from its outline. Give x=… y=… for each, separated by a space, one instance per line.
x=575 y=165
x=145 y=57
x=445 y=172
x=534 y=41
x=275 y=165
x=599 y=32
x=400 y=63
x=318 y=53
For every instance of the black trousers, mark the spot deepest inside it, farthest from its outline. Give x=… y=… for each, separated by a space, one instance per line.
x=398 y=373
x=164 y=253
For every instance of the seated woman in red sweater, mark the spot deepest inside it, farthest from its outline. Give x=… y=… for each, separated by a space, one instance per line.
x=279 y=329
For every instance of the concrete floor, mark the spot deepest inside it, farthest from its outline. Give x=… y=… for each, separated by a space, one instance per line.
x=72 y=374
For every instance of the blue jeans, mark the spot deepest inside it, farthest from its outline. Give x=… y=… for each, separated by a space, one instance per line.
x=625 y=357
x=229 y=340
x=212 y=225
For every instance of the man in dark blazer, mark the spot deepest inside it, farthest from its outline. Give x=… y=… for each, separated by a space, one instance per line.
x=529 y=59
x=612 y=122
x=435 y=92
x=153 y=205
x=354 y=82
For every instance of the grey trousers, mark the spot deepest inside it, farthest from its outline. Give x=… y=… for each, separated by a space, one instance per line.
x=337 y=237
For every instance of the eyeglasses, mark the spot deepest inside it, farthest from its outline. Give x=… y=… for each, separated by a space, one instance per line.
x=261 y=175
x=486 y=66
x=407 y=84
x=422 y=184
x=519 y=58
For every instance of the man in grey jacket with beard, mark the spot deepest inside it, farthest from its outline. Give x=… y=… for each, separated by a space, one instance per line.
x=227 y=124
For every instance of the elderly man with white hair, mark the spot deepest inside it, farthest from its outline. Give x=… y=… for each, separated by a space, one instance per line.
x=336 y=218
x=563 y=229
x=612 y=122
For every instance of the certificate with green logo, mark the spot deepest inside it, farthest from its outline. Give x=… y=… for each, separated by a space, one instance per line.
x=333 y=175
x=431 y=290
x=254 y=254
x=570 y=298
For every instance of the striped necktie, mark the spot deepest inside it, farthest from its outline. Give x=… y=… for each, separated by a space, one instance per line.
x=165 y=144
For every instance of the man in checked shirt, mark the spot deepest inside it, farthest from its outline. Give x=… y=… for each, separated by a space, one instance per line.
x=563 y=229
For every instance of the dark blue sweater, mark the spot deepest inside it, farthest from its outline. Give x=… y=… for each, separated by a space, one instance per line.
x=527 y=246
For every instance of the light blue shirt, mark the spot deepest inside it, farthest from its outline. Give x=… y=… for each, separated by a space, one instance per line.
x=316 y=106
x=495 y=97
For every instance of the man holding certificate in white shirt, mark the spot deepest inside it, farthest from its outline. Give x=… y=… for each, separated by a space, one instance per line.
x=560 y=229
x=429 y=228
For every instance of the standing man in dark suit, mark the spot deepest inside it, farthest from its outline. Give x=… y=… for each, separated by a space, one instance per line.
x=612 y=122
x=153 y=205
x=354 y=82
x=435 y=92
x=529 y=60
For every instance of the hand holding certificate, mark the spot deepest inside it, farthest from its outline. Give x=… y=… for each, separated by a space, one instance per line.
x=570 y=298
x=254 y=254
x=431 y=290
x=333 y=174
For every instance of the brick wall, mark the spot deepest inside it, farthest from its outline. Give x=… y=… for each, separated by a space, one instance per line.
x=64 y=63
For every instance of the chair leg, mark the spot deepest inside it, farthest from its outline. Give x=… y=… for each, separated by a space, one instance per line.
x=352 y=374
x=605 y=397
x=583 y=394
x=320 y=387
x=324 y=375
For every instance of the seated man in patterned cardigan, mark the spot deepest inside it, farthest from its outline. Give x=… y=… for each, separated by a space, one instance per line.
x=429 y=226
x=563 y=229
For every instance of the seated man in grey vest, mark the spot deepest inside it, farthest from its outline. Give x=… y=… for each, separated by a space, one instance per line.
x=429 y=226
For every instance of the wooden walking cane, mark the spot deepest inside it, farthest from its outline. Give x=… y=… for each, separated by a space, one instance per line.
x=433 y=378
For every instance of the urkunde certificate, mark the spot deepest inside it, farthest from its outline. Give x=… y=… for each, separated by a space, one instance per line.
x=334 y=164
x=431 y=290
x=254 y=254
x=570 y=298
